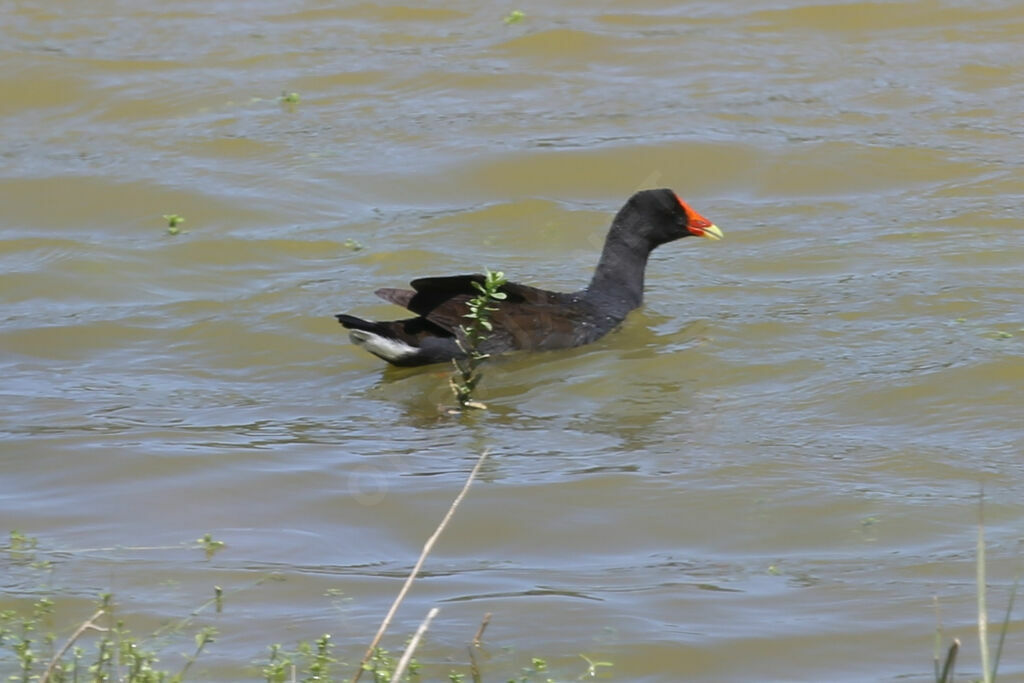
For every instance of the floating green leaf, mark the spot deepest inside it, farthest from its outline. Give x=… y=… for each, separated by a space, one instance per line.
x=173 y=221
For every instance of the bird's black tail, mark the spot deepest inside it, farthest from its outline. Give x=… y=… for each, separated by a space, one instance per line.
x=351 y=322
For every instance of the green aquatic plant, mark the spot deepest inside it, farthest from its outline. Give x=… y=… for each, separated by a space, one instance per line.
x=944 y=666
x=289 y=97
x=202 y=639
x=382 y=664
x=989 y=662
x=104 y=647
x=538 y=670
x=592 y=666
x=210 y=546
x=515 y=16
x=466 y=374
x=21 y=547
x=173 y=221
x=313 y=661
x=118 y=654
x=21 y=550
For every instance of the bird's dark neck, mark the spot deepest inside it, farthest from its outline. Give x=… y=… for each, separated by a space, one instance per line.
x=619 y=278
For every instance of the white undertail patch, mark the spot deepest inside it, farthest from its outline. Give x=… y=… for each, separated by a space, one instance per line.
x=389 y=349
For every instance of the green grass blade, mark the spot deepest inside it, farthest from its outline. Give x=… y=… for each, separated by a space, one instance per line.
x=947 y=668
x=1006 y=625
x=986 y=670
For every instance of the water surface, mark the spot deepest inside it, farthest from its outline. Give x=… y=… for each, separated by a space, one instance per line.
x=767 y=474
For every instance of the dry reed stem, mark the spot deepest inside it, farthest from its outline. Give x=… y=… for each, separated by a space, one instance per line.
x=474 y=668
x=403 y=663
x=480 y=631
x=71 y=641
x=427 y=547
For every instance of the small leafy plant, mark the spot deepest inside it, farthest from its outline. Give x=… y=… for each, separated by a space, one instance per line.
x=103 y=648
x=314 y=660
x=466 y=374
x=944 y=666
x=173 y=221
x=382 y=666
x=209 y=545
x=515 y=16
x=116 y=653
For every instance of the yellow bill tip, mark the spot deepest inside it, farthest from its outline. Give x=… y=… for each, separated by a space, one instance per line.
x=713 y=232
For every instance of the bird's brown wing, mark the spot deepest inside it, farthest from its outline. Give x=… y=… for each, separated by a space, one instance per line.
x=431 y=289
x=432 y=292
x=527 y=319
x=533 y=327
x=400 y=297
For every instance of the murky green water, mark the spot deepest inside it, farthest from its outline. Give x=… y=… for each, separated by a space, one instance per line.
x=767 y=474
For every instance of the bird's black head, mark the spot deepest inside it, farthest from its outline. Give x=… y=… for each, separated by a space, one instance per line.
x=662 y=217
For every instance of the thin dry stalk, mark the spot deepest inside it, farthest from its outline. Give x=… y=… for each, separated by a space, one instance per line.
x=403 y=663
x=427 y=547
x=474 y=668
x=87 y=624
x=480 y=631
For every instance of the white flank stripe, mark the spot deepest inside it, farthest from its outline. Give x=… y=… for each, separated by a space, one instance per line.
x=389 y=349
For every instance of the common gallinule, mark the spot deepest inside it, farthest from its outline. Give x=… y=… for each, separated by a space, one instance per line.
x=531 y=319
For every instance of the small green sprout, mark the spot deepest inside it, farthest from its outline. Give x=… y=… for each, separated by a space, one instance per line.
x=173 y=221
x=203 y=638
x=22 y=541
x=209 y=546
x=515 y=16
x=354 y=245
x=537 y=666
x=592 y=666
x=466 y=373
x=22 y=550
x=289 y=97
